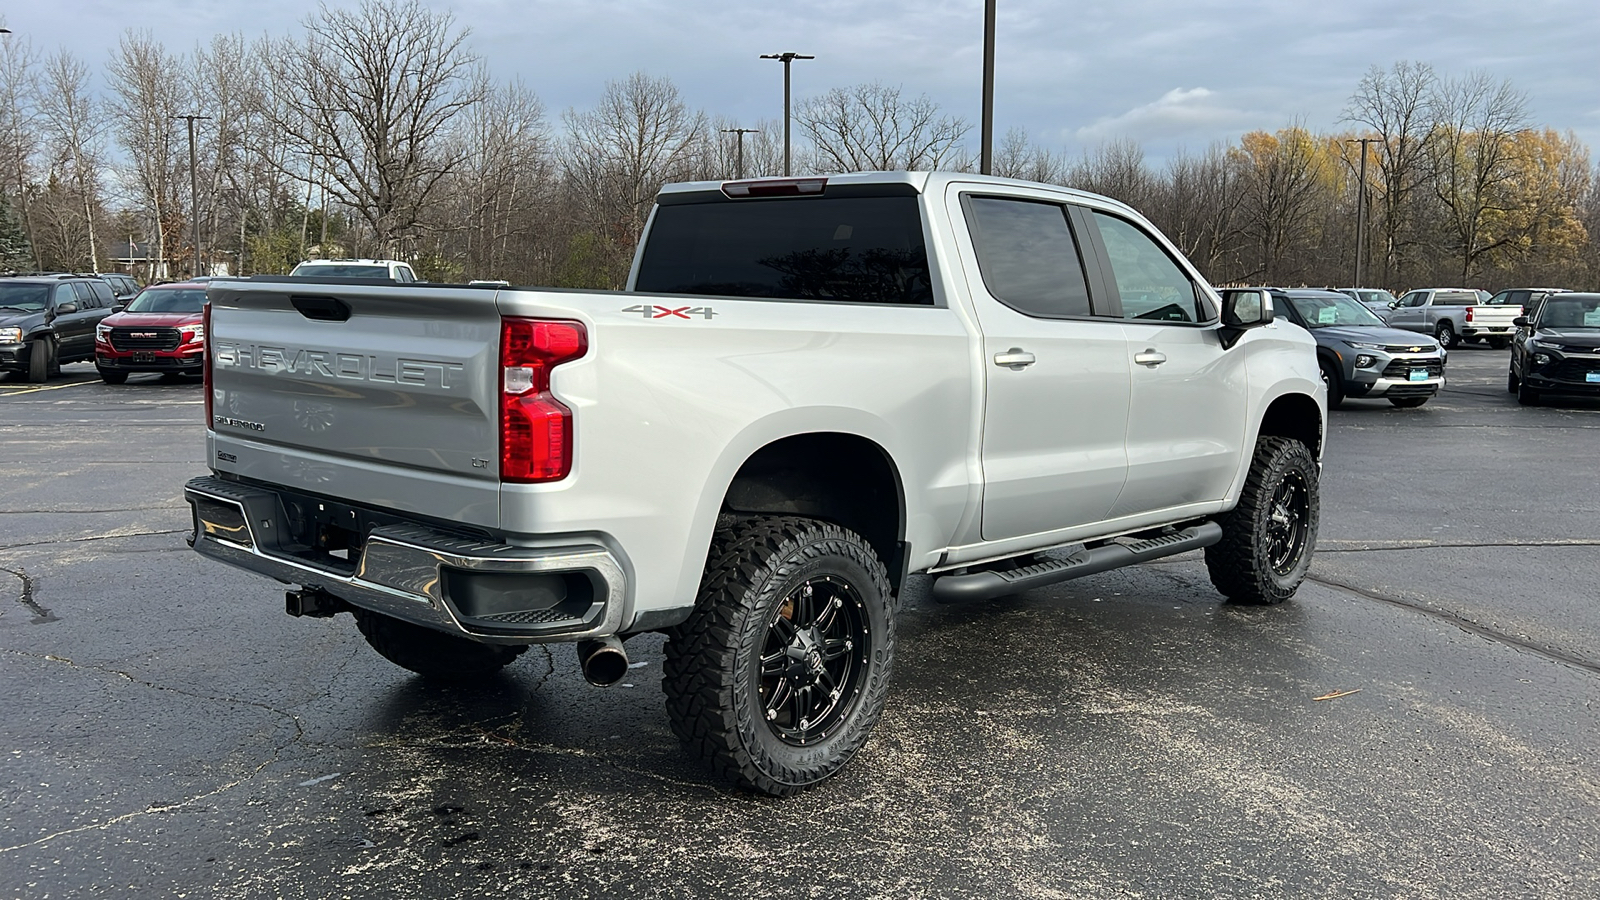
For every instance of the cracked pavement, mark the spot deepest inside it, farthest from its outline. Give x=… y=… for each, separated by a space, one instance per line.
x=169 y=731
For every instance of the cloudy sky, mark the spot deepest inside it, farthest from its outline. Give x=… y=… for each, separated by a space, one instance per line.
x=1168 y=74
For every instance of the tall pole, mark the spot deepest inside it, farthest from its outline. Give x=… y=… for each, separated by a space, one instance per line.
x=986 y=152
x=786 y=58
x=194 y=189
x=739 y=154
x=1361 y=204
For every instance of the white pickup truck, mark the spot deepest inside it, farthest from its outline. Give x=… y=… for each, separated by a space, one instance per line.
x=1454 y=314
x=810 y=389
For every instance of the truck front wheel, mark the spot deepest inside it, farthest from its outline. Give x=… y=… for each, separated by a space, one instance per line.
x=1266 y=545
x=432 y=654
x=782 y=670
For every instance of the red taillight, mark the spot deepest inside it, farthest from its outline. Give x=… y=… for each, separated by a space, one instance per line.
x=535 y=427
x=1469 y=314
x=205 y=319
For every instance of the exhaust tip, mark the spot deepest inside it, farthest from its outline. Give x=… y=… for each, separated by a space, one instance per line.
x=604 y=662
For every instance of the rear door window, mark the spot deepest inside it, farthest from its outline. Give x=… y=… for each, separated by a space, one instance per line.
x=860 y=249
x=1028 y=257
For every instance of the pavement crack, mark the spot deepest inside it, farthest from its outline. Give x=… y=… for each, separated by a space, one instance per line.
x=92 y=538
x=1465 y=624
x=41 y=615
x=166 y=806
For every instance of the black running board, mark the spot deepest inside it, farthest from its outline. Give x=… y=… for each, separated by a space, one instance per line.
x=1087 y=561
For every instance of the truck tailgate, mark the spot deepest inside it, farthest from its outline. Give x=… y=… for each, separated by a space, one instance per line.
x=386 y=395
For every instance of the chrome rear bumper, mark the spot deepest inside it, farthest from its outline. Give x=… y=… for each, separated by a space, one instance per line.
x=473 y=588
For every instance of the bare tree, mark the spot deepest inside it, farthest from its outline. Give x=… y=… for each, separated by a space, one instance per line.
x=373 y=93
x=150 y=92
x=1282 y=184
x=1017 y=157
x=1199 y=210
x=1117 y=170
x=497 y=202
x=221 y=79
x=871 y=127
x=1472 y=160
x=1397 y=105
x=71 y=123
x=640 y=136
x=19 y=131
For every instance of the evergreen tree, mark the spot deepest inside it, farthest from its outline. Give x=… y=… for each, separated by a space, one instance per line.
x=15 y=253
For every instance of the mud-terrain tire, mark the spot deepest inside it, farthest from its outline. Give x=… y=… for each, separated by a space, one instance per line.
x=794 y=620
x=1330 y=377
x=1445 y=334
x=112 y=376
x=1266 y=545
x=1408 y=402
x=433 y=654
x=41 y=360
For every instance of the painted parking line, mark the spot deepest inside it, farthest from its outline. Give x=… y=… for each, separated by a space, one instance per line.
x=5 y=392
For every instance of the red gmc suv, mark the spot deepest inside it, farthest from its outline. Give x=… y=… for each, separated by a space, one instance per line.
x=160 y=331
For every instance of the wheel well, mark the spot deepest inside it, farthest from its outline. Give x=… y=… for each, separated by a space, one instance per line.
x=841 y=478
x=1294 y=416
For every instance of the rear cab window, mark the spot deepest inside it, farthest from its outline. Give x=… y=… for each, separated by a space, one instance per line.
x=1455 y=298
x=846 y=246
x=1027 y=256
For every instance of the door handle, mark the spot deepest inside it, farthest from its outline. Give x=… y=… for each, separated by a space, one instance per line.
x=1150 y=357
x=1016 y=359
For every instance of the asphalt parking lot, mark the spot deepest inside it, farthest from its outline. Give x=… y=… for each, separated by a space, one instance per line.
x=168 y=731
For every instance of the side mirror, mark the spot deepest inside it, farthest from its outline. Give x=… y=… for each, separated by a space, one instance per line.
x=1394 y=304
x=119 y=307
x=1243 y=310
x=67 y=307
x=1520 y=321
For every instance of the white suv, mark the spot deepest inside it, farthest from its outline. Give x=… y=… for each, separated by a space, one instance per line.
x=355 y=268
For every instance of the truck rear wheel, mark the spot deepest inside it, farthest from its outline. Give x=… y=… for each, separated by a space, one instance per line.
x=782 y=670
x=1266 y=545
x=432 y=654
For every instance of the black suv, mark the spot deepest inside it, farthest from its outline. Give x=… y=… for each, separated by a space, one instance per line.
x=1556 y=349
x=47 y=320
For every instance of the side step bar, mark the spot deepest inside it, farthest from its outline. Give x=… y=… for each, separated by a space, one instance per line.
x=1087 y=561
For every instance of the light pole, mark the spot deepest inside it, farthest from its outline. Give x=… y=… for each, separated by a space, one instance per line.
x=1361 y=205
x=986 y=151
x=786 y=58
x=741 y=132
x=194 y=188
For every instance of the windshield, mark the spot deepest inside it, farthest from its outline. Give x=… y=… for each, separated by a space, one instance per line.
x=1383 y=297
x=341 y=271
x=1571 y=313
x=168 y=300
x=1324 y=310
x=24 y=296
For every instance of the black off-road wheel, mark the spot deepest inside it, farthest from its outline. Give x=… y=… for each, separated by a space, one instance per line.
x=1266 y=545
x=112 y=376
x=41 y=360
x=433 y=654
x=779 y=675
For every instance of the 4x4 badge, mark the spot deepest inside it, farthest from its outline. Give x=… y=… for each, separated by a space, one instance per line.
x=667 y=312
